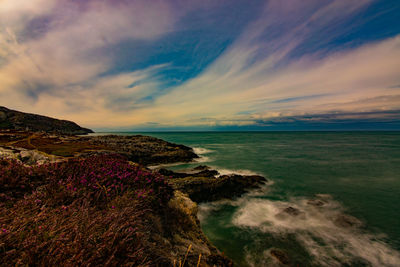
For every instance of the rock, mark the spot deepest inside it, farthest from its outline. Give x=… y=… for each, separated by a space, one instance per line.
x=3 y=116
x=32 y=157
x=25 y=155
x=292 y=211
x=28 y=157
x=9 y=153
x=281 y=256
x=203 y=189
x=206 y=173
x=196 y=172
x=346 y=221
x=201 y=168
x=170 y=173
x=184 y=227
x=145 y=150
x=316 y=202
x=182 y=202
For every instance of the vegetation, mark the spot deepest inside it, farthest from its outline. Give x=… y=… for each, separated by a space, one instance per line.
x=53 y=145
x=84 y=211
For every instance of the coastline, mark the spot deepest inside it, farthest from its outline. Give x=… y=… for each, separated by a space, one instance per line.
x=179 y=237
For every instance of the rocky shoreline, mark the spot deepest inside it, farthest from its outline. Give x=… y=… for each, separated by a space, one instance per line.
x=179 y=236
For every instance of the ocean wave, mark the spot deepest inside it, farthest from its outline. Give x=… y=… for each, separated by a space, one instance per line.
x=330 y=236
x=201 y=150
x=223 y=171
x=202 y=159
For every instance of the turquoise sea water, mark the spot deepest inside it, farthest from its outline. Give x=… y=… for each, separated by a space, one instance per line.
x=352 y=173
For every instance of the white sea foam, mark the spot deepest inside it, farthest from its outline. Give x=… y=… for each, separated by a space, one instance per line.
x=201 y=150
x=198 y=150
x=337 y=243
x=202 y=159
x=239 y=171
x=205 y=209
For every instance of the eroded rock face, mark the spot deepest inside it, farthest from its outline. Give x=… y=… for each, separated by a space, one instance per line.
x=186 y=233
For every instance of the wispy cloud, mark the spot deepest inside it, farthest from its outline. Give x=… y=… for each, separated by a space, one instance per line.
x=67 y=59
x=242 y=80
x=287 y=62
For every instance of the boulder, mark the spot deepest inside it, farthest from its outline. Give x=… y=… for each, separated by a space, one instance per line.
x=346 y=221
x=32 y=157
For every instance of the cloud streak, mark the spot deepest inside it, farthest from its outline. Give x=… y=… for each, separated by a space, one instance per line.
x=285 y=63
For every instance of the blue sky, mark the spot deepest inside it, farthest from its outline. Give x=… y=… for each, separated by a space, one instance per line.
x=204 y=65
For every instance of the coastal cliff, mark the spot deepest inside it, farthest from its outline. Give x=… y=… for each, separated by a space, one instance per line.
x=93 y=200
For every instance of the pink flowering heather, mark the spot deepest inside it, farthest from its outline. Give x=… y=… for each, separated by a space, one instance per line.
x=85 y=211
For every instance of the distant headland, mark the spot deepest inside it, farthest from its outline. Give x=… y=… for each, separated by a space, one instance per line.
x=16 y=120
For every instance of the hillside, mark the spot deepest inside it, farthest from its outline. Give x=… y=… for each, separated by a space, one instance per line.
x=16 y=120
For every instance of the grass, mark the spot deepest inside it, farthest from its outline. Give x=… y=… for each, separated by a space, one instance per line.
x=67 y=147
x=87 y=211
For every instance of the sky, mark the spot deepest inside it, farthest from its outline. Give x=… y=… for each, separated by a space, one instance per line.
x=119 y=65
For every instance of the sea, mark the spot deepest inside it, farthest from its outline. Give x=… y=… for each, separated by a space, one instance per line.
x=332 y=198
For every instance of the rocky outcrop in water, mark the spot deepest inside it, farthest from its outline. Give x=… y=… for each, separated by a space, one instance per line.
x=203 y=184
x=16 y=120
